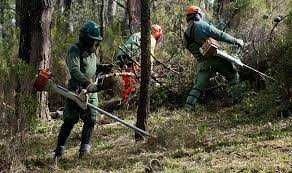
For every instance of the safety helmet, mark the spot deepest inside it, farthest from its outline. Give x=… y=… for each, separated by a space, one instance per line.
x=156 y=31
x=193 y=10
x=92 y=30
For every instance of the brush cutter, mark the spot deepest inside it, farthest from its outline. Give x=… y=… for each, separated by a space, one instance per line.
x=211 y=48
x=44 y=82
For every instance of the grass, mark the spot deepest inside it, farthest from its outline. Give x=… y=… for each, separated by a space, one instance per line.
x=221 y=141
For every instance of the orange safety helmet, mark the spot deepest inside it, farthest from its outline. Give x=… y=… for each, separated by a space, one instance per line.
x=156 y=31
x=193 y=10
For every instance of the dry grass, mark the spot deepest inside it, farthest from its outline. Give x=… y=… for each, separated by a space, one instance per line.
x=221 y=141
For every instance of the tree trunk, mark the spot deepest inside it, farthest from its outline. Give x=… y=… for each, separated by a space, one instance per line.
x=143 y=108
x=35 y=41
x=126 y=20
x=111 y=11
x=102 y=27
x=2 y=9
x=3 y=6
x=101 y=18
x=67 y=4
x=134 y=7
x=222 y=6
x=67 y=13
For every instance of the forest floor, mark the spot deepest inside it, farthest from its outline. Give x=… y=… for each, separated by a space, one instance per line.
x=222 y=140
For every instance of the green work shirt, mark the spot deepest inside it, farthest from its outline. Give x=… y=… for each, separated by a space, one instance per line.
x=82 y=67
x=198 y=32
x=132 y=46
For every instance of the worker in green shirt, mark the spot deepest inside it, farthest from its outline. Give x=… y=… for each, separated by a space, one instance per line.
x=83 y=65
x=197 y=32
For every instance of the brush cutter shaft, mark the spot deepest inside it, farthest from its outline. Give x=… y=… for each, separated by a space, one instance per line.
x=142 y=132
x=68 y=94
x=258 y=72
x=229 y=58
x=237 y=61
x=83 y=104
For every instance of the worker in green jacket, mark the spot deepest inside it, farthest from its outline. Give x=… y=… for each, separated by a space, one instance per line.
x=197 y=32
x=131 y=49
x=83 y=64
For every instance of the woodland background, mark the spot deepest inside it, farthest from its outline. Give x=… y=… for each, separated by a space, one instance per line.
x=251 y=136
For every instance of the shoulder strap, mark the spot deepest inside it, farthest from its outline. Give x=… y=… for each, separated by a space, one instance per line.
x=190 y=38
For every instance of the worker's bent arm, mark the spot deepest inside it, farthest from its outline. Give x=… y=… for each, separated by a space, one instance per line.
x=219 y=35
x=73 y=63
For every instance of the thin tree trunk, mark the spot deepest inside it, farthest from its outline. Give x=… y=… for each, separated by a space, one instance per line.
x=143 y=108
x=2 y=9
x=67 y=13
x=127 y=20
x=101 y=18
x=134 y=7
x=67 y=4
x=24 y=22
x=111 y=10
x=102 y=27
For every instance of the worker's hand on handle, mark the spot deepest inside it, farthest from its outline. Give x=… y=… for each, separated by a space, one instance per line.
x=92 y=88
x=84 y=99
x=239 y=42
x=104 y=68
x=107 y=68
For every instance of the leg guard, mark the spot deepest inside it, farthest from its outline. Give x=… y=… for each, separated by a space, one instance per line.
x=200 y=84
x=193 y=98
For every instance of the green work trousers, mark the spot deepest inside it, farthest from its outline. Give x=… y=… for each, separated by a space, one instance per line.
x=205 y=70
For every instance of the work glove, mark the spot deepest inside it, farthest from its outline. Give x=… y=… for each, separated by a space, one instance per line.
x=105 y=68
x=93 y=88
x=85 y=84
x=84 y=99
x=239 y=42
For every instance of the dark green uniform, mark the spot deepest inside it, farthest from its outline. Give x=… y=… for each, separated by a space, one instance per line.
x=83 y=64
x=195 y=35
x=132 y=49
x=82 y=67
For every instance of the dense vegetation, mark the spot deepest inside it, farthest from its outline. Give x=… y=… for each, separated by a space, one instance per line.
x=251 y=136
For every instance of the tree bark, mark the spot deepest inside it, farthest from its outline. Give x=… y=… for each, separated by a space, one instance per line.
x=3 y=6
x=101 y=18
x=143 y=108
x=67 y=4
x=126 y=20
x=35 y=41
x=111 y=10
x=134 y=7
x=222 y=5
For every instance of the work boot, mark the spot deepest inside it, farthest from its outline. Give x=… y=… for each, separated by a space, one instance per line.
x=189 y=108
x=192 y=99
x=84 y=150
x=284 y=113
x=58 y=152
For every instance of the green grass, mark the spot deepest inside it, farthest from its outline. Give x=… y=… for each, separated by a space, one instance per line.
x=221 y=141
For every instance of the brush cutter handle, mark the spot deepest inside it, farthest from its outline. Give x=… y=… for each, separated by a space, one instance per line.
x=140 y=131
